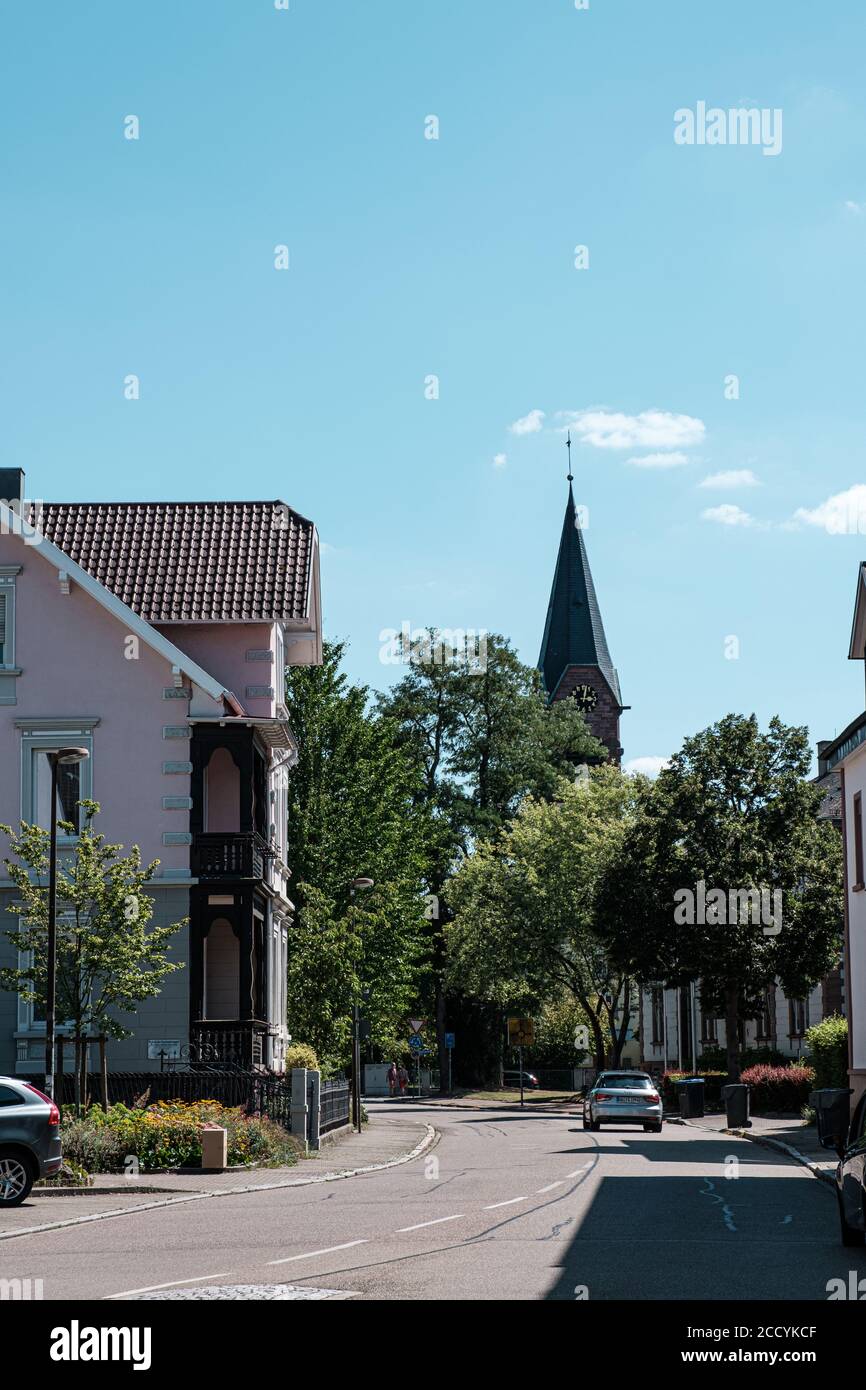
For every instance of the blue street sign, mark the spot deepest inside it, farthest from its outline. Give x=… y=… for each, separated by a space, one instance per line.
x=449 y=1040
x=416 y=1042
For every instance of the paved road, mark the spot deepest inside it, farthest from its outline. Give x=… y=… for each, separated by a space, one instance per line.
x=506 y=1206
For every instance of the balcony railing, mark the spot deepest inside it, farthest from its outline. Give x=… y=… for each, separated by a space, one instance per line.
x=228 y=1042
x=221 y=856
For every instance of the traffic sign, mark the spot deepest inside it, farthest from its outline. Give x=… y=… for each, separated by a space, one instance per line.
x=449 y=1040
x=416 y=1042
x=521 y=1032
x=416 y=1024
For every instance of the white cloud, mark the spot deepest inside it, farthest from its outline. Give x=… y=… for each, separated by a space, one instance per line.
x=728 y=515
x=652 y=429
x=660 y=461
x=500 y=460
x=857 y=208
x=843 y=514
x=734 y=477
x=650 y=766
x=528 y=424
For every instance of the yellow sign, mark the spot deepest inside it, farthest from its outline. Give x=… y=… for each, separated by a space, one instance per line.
x=521 y=1032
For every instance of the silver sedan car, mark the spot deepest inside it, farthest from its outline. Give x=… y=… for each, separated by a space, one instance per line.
x=623 y=1098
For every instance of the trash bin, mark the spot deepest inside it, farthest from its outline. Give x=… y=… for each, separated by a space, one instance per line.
x=736 y=1098
x=691 y=1097
x=833 y=1112
x=214 y=1147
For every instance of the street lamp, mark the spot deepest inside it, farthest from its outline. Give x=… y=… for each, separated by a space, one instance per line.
x=358 y=885
x=55 y=758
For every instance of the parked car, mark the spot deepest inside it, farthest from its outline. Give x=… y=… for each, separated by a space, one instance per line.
x=851 y=1177
x=512 y=1078
x=29 y=1139
x=623 y=1098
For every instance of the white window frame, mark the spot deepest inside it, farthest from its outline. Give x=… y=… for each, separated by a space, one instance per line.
x=45 y=736
x=8 y=575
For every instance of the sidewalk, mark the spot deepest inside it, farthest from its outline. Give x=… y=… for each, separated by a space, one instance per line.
x=384 y=1142
x=791 y=1136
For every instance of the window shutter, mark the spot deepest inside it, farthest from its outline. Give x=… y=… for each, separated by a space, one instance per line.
x=2 y=625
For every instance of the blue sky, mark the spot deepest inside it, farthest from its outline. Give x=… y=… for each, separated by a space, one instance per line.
x=412 y=257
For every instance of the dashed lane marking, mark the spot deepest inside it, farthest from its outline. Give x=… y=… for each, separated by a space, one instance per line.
x=311 y=1254
x=438 y=1222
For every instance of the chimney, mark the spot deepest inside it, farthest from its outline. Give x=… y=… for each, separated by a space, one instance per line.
x=822 y=761
x=12 y=488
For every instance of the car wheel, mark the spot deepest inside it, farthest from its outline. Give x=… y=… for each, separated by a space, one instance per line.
x=657 y=1127
x=850 y=1235
x=16 y=1178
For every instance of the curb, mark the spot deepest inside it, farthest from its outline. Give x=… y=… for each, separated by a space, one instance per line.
x=766 y=1142
x=430 y=1138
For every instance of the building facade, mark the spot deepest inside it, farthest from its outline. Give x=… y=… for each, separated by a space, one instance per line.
x=156 y=636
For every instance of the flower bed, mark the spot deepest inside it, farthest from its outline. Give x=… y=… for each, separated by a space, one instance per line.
x=779 y=1090
x=166 y=1135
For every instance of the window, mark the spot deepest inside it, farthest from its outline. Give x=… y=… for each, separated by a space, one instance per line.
x=10 y=1097
x=709 y=1029
x=767 y=1016
x=74 y=780
x=858 y=840
x=7 y=632
x=658 y=1007
x=798 y=1017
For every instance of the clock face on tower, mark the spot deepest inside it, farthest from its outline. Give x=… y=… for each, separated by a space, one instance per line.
x=586 y=696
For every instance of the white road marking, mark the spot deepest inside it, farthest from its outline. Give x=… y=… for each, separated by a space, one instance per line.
x=311 y=1254
x=438 y=1222
x=550 y=1186
x=577 y=1172
x=151 y=1288
x=511 y=1203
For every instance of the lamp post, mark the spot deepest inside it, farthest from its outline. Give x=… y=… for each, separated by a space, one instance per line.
x=55 y=758
x=358 y=885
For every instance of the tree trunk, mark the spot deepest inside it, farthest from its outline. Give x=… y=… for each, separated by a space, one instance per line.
x=103 y=1071
x=732 y=1031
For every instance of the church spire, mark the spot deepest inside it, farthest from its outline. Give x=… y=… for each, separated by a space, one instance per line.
x=574 y=651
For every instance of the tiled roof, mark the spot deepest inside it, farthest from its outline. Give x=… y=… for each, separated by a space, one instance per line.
x=191 y=561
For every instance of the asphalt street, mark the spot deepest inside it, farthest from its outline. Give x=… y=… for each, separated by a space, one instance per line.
x=507 y=1205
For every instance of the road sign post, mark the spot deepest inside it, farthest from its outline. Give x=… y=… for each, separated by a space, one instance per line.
x=521 y=1032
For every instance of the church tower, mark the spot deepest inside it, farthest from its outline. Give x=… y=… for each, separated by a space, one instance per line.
x=575 y=662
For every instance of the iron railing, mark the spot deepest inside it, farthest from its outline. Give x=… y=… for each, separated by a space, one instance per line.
x=228 y=1043
x=334 y=1104
x=223 y=856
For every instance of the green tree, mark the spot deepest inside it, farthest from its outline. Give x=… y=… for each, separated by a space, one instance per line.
x=483 y=735
x=526 y=922
x=354 y=810
x=109 y=957
x=734 y=812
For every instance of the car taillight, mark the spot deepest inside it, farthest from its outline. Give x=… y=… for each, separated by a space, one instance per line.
x=603 y=1095
x=653 y=1097
x=53 y=1112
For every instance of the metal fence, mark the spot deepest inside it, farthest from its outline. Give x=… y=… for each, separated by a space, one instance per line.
x=255 y=1092
x=334 y=1103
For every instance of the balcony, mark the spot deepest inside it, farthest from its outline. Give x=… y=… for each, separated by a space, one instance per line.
x=229 y=1042
x=216 y=857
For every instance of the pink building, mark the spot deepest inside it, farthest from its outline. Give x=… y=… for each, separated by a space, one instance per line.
x=156 y=636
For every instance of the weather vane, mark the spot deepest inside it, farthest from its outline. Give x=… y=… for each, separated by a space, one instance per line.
x=568 y=447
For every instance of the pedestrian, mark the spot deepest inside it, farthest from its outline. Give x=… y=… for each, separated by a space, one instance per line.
x=392 y=1079
x=403 y=1078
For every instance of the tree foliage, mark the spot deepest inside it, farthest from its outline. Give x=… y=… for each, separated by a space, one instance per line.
x=733 y=810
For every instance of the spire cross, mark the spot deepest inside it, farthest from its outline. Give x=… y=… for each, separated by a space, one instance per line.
x=568 y=447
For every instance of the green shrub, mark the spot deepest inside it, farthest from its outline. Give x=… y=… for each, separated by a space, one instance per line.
x=778 y=1089
x=301 y=1055
x=167 y=1135
x=828 y=1052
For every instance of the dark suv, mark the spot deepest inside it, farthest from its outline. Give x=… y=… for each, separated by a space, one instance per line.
x=29 y=1139
x=851 y=1177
